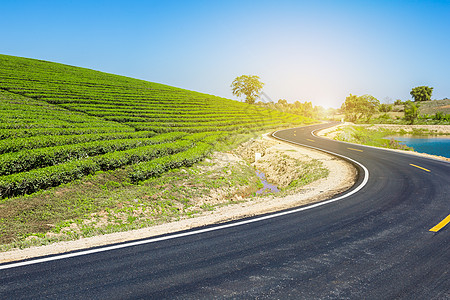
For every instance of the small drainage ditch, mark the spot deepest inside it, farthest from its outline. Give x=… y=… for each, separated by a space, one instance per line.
x=267 y=187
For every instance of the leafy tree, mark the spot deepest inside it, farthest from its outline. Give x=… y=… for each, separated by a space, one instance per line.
x=356 y=108
x=248 y=85
x=411 y=111
x=398 y=102
x=370 y=106
x=421 y=93
x=350 y=108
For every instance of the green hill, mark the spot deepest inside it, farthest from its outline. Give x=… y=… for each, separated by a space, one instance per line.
x=59 y=123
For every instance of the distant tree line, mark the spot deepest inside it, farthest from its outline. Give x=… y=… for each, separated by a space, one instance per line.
x=355 y=108
x=362 y=108
x=250 y=87
x=306 y=108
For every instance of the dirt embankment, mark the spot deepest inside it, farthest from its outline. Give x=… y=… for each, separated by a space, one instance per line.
x=279 y=160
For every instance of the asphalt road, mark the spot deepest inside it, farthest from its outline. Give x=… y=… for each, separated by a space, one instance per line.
x=374 y=244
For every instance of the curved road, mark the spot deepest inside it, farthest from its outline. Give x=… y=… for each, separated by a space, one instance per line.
x=374 y=244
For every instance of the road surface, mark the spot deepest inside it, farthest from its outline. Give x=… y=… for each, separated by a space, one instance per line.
x=375 y=243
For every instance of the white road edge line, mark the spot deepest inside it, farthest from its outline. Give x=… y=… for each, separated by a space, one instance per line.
x=219 y=227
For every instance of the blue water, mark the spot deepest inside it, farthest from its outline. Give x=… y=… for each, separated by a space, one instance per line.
x=431 y=145
x=267 y=187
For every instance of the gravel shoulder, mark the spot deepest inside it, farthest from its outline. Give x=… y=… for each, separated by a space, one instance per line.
x=341 y=176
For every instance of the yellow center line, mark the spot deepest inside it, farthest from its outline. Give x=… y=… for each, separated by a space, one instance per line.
x=441 y=224
x=355 y=149
x=295 y=134
x=420 y=167
x=310 y=140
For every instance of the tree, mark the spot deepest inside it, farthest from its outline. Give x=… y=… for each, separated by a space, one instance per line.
x=421 y=93
x=370 y=106
x=282 y=102
x=248 y=85
x=398 y=102
x=356 y=108
x=411 y=111
x=305 y=109
x=385 y=107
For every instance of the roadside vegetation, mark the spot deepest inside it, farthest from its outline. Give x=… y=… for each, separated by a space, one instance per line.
x=375 y=135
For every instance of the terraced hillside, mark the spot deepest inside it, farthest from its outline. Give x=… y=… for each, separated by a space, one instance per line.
x=59 y=123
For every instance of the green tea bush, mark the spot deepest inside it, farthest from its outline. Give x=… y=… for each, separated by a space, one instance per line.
x=26 y=160
x=154 y=168
x=34 y=180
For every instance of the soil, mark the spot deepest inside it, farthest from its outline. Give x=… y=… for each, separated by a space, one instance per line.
x=342 y=176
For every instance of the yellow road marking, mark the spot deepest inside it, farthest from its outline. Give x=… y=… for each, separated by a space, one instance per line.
x=441 y=224
x=420 y=167
x=355 y=149
x=295 y=134
x=309 y=140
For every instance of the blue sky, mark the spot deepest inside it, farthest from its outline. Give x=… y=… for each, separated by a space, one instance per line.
x=319 y=51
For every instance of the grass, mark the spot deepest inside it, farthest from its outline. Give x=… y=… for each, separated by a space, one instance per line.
x=310 y=172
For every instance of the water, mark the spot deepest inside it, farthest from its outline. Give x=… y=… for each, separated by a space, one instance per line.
x=267 y=187
x=425 y=144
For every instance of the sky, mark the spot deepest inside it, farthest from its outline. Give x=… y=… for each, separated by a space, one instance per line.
x=319 y=51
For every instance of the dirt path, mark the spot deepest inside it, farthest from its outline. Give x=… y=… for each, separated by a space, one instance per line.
x=341 y=176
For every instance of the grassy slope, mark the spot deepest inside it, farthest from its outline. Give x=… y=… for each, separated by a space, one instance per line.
x=48 y=110
x=432 y=107
x=426 y=109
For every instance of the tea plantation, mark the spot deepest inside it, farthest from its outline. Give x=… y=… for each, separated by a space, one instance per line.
x=59 y=123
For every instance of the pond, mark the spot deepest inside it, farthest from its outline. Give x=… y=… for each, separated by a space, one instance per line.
x=435 y=145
